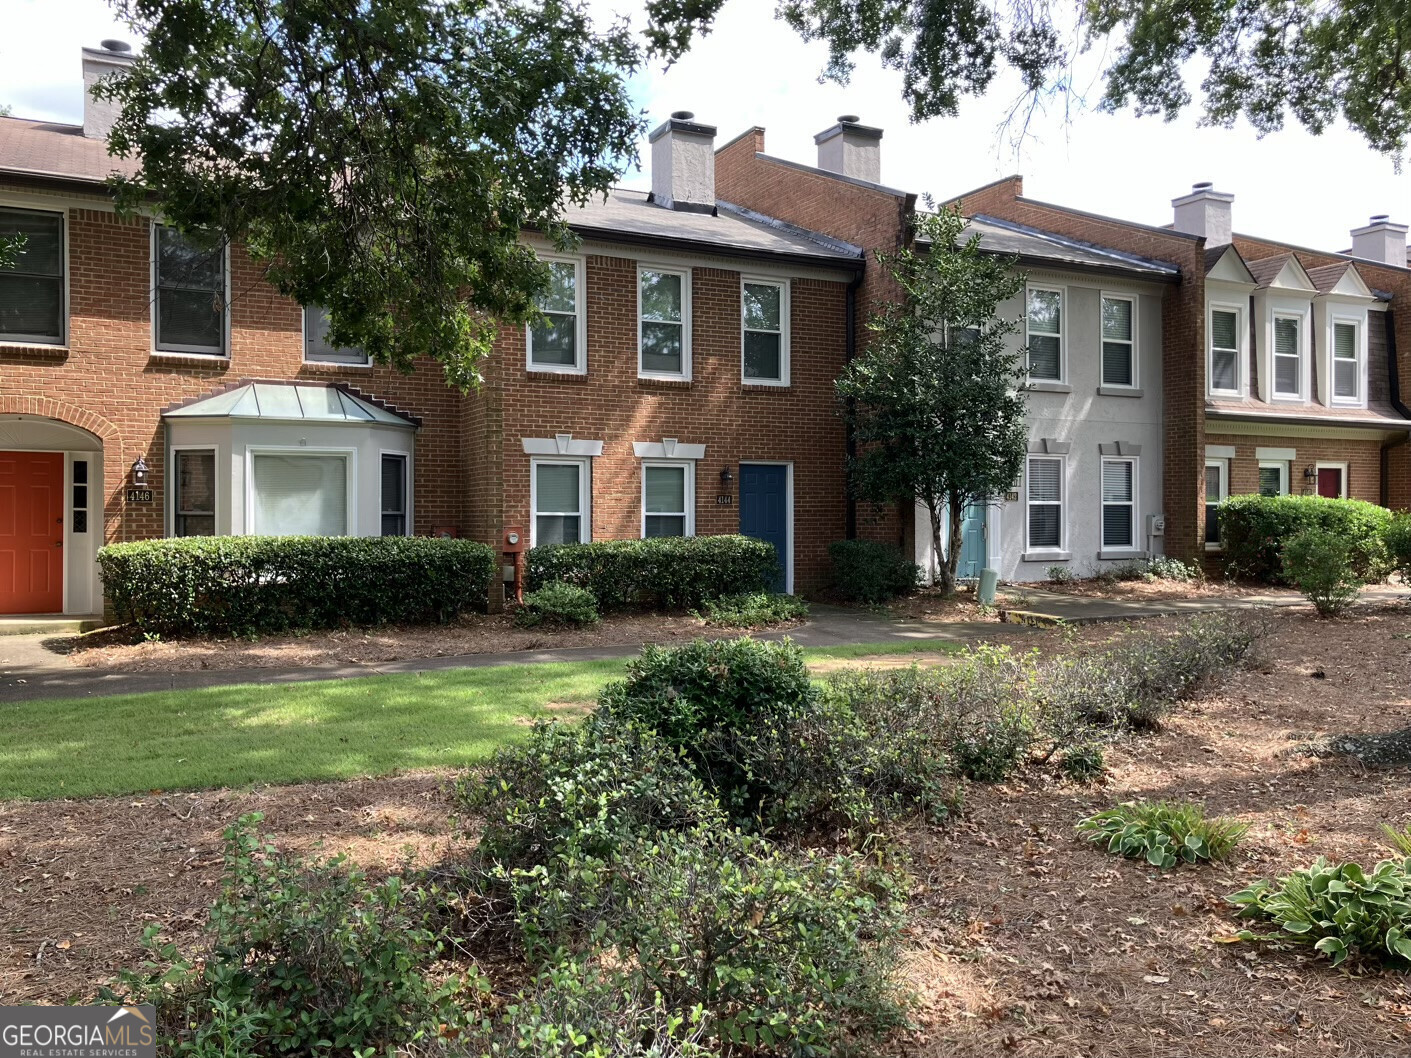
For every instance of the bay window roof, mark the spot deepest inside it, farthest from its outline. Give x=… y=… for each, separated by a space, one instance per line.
x=329 y=403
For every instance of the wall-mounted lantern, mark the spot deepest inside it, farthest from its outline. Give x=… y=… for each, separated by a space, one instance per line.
x=725 y=476
x=1310 y=474
x=139 y=472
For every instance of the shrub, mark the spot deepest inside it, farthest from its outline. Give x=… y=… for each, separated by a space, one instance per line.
x=252 y=585
x=1083 y=763
x=1167 y=568
x=1397 y=540
x=1163 y=832
x=1342 y=910
x=755 y=610
x=1060 y=575
x=559 y=604
x=1132 y=569
x=1254 y=530
x=869 y=572
x=1321 y=565
x=657 y=573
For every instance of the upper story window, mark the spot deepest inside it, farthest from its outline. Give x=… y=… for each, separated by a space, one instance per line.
x=1119 y=359
x=663 y=323
x=1288 y=356
x=32 y=288
x=1225 y=351
x=1347 y=361
x=557 y=340
x=190 y=289
x=319 y=350
x=1044 y=325
x=765 y=308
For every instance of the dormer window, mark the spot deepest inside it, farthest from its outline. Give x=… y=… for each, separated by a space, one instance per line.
x=1347 y=361
x=1288 y=357
x=1225 y=351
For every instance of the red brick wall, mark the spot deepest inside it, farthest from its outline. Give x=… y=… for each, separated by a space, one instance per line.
x=1363 y=459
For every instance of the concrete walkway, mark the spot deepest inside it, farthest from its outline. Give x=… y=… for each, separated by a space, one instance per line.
x=1035 y=605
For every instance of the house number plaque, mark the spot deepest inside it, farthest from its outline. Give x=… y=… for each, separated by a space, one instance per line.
x=724 y=500
x=139 y=495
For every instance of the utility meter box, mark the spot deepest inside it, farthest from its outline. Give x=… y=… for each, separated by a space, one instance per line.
x=1156 y=525
x=515 y=541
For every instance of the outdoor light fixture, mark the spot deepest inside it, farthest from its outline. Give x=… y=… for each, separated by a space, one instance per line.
x=726 y=477
x=1309 y=474
x=139 y=471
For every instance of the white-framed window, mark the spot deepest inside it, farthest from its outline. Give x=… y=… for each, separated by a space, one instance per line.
x=191 y=294
x=319 y=350
x=299 y=493
x=668 y=499
x=1119 y=504
x=1273 y=477
x=1044 y=332
x=32 y=286
x=1288 y=356
x=558 y=339
x=764 y=346
x=396 y=520
x=194 y=495
x=1119 y=340
x=663 y=322
x=1217 y=488
x=1346 y=348
x=1226 y=327
x=1044 y=492
x=560 y=499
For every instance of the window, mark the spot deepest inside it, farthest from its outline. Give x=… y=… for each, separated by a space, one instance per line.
x=1045 y=494
x=1216 y=476
x=1119 y=362
x=80 y=496
x=195 y=503
x=1045 y=335
x=1225 y=351
x=190 y=295
x=1347 y=373
x=668 y=493
x=765 y=308
x=1119 y=507
x=1288 y=361
x=1273 y=478
x=394 y=495
x=560 y=501
x=663 y=336
x=32 y=287
x=318 y=349
x=556 y=339
x=299 y=495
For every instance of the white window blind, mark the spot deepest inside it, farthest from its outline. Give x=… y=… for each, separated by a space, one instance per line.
x=1287 y=366
x=664 y=500
x=300 y=495
x=1045 y=330
x=32 y=285
x=1118 y=367
x=1118 y=503
x=763 y=305
x=1045 y=495
x=1345 y=372
x=317 y=347
x=553 y=338
x=558 y=503
x=1224 y=350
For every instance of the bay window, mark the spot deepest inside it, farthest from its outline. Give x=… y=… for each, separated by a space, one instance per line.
x=394 y=494
x=194 y=504
x=298 y=494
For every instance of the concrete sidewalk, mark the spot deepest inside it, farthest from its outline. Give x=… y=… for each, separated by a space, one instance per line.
x=1037 y=606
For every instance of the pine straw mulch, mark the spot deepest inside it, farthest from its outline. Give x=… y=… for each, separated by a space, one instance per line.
x=1159 y=588
x=1024 y=940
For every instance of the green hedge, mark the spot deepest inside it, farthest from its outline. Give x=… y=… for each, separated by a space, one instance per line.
x=250 y=585
x=868 y=572
x=661 y=573
x=1254 y=529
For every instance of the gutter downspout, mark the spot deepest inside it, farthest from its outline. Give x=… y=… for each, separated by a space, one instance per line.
x=850 y=441
x=1394 y=377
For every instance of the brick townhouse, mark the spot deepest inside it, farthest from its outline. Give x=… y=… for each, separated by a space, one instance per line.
x=680 y=382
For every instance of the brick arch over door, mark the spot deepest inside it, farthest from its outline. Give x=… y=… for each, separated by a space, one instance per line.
x=72 y=415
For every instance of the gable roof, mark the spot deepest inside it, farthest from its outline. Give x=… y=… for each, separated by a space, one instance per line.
x=1340 y=277
x=1286 y=267
x=49 y=150
x=271 y=399
x=1046 y=249
x=1226 y=264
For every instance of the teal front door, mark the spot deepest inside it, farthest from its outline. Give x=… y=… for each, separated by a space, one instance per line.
x=973 y=553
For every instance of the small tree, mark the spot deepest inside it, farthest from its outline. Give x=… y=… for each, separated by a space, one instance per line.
x=936 y=402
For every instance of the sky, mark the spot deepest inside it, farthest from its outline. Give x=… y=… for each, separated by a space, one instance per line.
x=753 y=70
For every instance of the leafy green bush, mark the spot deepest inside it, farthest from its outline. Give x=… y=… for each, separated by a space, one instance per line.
x=1167 y=568
x=1321 y=565
x=1399 y=840
x=559 y=604
x=868 y=572
x=660 y=573
x=1163 y=832
x=252 y=585
x=754 y=610
x=1084 y=762
x=1397 y=540
x=1342 y=910
x=1254 y=530
x=1059 y=575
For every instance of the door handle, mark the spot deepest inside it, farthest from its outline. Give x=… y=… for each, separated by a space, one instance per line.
x=58 y=543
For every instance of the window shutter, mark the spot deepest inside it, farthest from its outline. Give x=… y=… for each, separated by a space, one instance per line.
x=301 y=495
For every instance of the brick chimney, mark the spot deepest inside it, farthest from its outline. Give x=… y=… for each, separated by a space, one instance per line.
x=683 y=164
x=1206 y=212
x=1380 y=241
x=851 y=149
x=110 y=58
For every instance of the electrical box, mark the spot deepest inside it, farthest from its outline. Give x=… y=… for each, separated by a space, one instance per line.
x=1156 y=525
x=515 y=540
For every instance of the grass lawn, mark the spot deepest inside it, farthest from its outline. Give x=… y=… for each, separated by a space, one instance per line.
x=298 y=732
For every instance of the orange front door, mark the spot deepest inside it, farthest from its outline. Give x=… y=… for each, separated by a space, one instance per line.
x=31 y=532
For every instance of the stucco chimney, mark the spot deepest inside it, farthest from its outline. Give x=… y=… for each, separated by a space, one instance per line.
x=110 y=58
x=1380 y=241
x=851 y=149
x=1206 y=212
x=683 y=164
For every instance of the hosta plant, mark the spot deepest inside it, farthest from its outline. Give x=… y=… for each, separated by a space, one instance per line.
x=1340 y=909
x=1164 y=833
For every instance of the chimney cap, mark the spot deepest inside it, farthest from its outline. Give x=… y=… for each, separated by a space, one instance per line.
x=120 y=47
x=683 y=115
x=681 y=121
x=849 y=123
x=848 y=119
x=1380 y=218
x=1204 y=185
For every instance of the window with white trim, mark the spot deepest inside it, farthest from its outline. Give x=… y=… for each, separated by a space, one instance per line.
x=765 y=345
x=190 y=282
x=1044 y=332
x=194 y=506
x=296 y=494
x=394 y=494
x=1217 y=473
x=668 y=499
x=1119 y=348
x=1225 y=351
x=663 y=330
x=32 y=285
x=1273 y=478
x=555 y=339
x=319 y=350
x=1119 y=504
x=1347 y=361
x=1044 y=495
x=560 y=500
x=1288 y=356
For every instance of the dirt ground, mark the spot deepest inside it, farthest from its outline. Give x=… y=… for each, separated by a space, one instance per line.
x=1024 y=939
x=1161 y=588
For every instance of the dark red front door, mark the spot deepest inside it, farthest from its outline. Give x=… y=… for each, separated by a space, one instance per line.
x=31 y=532
x=1330 y=482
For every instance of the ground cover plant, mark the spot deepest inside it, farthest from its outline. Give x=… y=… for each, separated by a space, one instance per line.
x=1164 y=833
x=752 y=610
x=1398 y=840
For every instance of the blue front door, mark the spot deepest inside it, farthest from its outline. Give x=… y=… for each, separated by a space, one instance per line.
x=973 y=557
x=764 y=510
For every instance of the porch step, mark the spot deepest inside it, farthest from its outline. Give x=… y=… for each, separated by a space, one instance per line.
x=50 y=624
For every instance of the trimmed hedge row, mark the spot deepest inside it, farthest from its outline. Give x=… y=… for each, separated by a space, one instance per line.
x=1254 y=529
x=868 y=572
x=250 y=585
x=660 y=573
